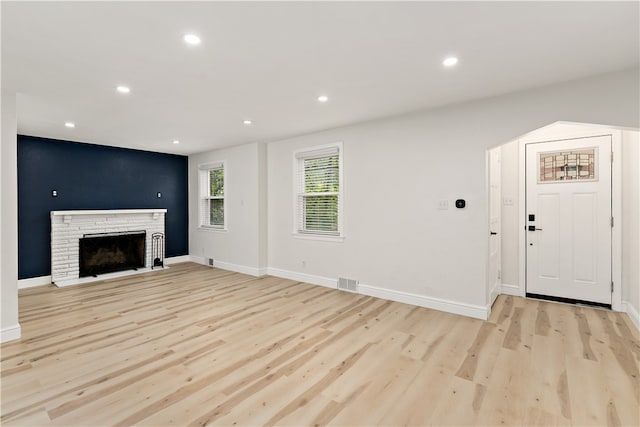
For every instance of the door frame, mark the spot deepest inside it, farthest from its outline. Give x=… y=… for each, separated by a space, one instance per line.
x=616 y=208
x=493 y=292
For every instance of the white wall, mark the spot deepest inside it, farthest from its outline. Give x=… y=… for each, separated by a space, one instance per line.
x=631 y=223
x=395 y=238
x=241 y=246
x=396 y=170
x=10 y=328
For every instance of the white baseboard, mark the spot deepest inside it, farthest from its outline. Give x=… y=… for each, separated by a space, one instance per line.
x=46 y=280
x=469 y=310
x=252 y=271
x=632 y=313
x=303 y=277
x=515 y=291
x=11 y=333
x=493 y=295
x=177 y=259
x=197 y=259
x=107 y=276
x=33 y=282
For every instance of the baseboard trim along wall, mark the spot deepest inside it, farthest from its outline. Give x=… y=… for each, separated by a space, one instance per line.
x=301 y=277
x=469 y=310
x=511 y=290
x=177 y=259
x=494 y=295
x=34 y=282
x=11 y=333
x=252 y=271
x=632 y=313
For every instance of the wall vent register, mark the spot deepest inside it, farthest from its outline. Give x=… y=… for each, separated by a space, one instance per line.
x=347 y=284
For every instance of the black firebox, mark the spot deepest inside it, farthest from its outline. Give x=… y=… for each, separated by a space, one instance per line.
x=110 y=252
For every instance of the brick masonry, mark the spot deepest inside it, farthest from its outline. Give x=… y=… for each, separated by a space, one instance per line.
x=68 y=227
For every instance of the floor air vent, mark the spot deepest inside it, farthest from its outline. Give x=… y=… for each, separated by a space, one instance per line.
x=347 y=284
x=210 y=262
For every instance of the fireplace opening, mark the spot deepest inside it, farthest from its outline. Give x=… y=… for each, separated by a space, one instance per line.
x=110 y=252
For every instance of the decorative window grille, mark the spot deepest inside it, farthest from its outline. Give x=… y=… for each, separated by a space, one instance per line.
x=578 y=165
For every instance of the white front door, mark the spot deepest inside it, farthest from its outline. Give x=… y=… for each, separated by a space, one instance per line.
x=568 y=209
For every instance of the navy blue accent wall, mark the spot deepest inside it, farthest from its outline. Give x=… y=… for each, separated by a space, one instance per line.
x=88 y=176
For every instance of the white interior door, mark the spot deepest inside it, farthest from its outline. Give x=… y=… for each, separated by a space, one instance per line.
x=495 y=196
x=568 y=185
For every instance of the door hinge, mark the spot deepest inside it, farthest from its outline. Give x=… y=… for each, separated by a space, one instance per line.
x=611 y=287
x=612 y=157
x=612 y=222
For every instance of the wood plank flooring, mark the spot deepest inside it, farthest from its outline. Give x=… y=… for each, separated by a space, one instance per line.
x=196 y=346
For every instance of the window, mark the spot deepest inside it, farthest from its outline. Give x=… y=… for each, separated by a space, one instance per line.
x=560 y=166
x=319 y=191
x=212 y=208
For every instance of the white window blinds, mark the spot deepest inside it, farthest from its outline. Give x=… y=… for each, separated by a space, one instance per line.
x=212 y=195
x=319 y=197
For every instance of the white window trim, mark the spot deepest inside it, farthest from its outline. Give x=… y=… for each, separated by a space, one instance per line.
x=203 y=194
x=297 y=154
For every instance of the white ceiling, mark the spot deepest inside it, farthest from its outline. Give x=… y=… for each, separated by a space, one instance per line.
x=268 y=62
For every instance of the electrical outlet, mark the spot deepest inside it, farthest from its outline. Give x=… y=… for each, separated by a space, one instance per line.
x=443 y=205
x=507 y=201
x=54 y=193
x=159 y=195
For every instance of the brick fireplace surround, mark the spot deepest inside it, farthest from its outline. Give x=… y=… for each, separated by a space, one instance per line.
x=67 y=227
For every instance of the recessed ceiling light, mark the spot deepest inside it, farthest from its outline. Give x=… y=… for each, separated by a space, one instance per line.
x=192 y=39
x=247 y=122
x=450 y=61
x=175 y=141
x=323 y=98
x=70 y=124
x=123 y=89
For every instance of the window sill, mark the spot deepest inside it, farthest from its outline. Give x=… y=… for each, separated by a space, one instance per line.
x=214 y=229
x=338 y=239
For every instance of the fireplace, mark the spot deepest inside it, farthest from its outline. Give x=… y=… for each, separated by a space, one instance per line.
x=69 y=227
x=110 y=252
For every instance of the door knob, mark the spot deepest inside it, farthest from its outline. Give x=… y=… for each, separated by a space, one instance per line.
x=493 y=233
x=533 y=228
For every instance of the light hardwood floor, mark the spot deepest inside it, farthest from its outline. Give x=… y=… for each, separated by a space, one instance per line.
x=192 y=345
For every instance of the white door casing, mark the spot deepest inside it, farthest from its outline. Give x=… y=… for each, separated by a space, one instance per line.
x=495 y=197
x=569 y=253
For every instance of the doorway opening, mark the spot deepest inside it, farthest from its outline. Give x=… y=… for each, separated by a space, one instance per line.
x=558 y=175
